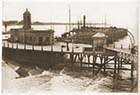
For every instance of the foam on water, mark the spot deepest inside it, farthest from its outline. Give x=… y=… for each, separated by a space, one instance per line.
x=56 y=81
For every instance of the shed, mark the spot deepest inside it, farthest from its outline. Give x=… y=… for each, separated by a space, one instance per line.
x=99 y=40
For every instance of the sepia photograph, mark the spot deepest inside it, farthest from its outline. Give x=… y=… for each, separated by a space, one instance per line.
x=71 y=46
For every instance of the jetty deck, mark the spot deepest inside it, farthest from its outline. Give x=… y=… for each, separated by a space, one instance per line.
x=53 y=54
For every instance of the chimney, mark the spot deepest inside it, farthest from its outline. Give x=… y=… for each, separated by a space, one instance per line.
x=84 y=21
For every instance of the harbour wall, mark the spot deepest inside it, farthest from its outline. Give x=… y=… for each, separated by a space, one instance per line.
x=45 y=59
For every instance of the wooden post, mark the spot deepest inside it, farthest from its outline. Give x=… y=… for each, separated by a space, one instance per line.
x=121 y=46
x=81 y=63
x=129 y=47
x=72 y=49
x=113 y=45
x=115 y=63
x=88 y=61
x=132 y=69
x=32 y=46
x=52 y=48
x=17 y=45
x=8 y=44
x=52 y=56
x=24 y=46
x=3 y=44
x=94 y=62
x=71 y=60
x=41 y=47
x=118 y=65
x=61 y=48
x=12 y=44
x=105 y=61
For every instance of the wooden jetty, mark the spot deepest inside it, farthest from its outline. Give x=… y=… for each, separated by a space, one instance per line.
x=111 y=59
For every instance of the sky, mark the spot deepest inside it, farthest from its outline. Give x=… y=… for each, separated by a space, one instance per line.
x=119 y=14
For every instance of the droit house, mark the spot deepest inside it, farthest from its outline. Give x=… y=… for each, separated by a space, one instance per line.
x=28 y=35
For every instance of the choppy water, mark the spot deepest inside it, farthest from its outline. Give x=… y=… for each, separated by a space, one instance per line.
x=52 y=80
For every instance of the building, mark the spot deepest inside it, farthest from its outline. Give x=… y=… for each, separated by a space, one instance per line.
x=28 y=35
x=99 y=41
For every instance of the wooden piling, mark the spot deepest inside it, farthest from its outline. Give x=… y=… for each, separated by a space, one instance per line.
x=3 y=44
x=113 y=45
x=88 y=60
x=12 y=45
x=71 y=60
x=81 y=64
x=121 y=46
x=8 y=44
x=132 y=69
x=41 y=47
x=105 y=61
x=52 y=57
x=129 y=47
x=94 y=62
x=17 y=46
x=32 y=46
x=51 y=48
x=24 y=46
x=115 y=67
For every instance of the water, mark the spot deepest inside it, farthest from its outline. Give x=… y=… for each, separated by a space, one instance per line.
x=53 y=81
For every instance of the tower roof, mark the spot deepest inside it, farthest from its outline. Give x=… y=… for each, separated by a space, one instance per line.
x=27 y=12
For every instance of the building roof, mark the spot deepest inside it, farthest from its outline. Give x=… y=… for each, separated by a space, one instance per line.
x=99 y=35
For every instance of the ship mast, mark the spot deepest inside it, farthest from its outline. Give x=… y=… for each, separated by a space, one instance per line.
x=69 y=19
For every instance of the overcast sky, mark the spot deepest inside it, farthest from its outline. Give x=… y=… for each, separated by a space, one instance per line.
x=120 y=14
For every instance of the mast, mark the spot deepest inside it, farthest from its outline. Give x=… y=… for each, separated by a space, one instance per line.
x=69 y=19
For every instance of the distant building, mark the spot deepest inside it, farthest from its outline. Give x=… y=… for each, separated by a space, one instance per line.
x=30 y=36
